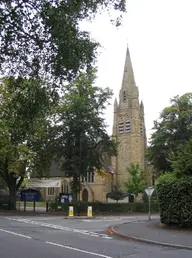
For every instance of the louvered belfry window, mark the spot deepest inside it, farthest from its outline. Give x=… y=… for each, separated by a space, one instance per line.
x=121 y=127
x=128 y=126
x=124 y=96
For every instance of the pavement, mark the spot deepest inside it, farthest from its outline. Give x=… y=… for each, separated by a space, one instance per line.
x=152 y=232
x=56 y=237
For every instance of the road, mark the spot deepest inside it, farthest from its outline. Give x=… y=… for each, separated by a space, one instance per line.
x=55 y=237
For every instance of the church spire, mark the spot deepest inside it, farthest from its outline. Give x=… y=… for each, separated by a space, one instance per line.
x=128 y=75
x=128 y=88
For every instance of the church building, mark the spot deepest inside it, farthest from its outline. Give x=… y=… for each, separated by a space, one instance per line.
x=128 y=126
x=129 y=131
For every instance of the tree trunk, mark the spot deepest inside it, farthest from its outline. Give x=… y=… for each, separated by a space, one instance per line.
x=12 y=198
x=12 y=193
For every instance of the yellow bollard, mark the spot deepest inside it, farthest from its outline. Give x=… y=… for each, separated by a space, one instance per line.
x=89 y=211
x=71 y=214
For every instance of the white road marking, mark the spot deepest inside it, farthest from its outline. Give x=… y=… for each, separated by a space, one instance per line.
x=78 y=250
x=59 y=245
x=16 y=234
x=89 y=220
x=74 y=230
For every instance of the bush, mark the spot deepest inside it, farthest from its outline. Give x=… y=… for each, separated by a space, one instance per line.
x=81 y=207
x=175 y=202
x=166 y=177
x=4 y=202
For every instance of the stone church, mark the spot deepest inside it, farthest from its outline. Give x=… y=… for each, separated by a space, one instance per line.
x=129 y=130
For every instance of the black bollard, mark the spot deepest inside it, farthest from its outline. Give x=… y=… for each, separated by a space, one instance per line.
x=47 y=206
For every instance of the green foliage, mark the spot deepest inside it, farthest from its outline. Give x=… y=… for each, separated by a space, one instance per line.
x=25 y=114
x=41 y=38
x=23 y=185
x=164 y=178
x=173 y=129
x=136 y=183
x=116 y=194
x=175 y=202
x=181 y=160
x=106 y=208
x=84 y=142
x=3 y=185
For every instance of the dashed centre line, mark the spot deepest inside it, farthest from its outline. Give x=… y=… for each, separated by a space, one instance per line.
x=79 y=250
x=15 y=234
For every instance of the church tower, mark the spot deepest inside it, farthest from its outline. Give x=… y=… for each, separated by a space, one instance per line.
x=128 y=125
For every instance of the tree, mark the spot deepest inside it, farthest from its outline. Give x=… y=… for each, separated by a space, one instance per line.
x=2 y=184
x=137 y=183
x=25 y=110
x=43 y=37
x=173 y=129
x=116 y=194
x=181 y=160
x=24 y=183
x=82 y=138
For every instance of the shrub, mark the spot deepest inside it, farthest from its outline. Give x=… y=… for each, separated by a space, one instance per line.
x=98 y=207
x=166 y=177
x=4 y=202
x=116 y=194
x=175 y=202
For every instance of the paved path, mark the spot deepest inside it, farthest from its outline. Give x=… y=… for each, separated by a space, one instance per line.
x=151 y=230
x=55 y=237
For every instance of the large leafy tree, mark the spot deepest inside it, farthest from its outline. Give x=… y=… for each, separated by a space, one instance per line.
x=181 y=160
x=173 y=129
x=82 y=138
x=2 y=184
x=41 y=37
x=137 y=182
x=25 y=112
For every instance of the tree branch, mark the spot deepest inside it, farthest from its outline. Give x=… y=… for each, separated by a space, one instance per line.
x=19 y=183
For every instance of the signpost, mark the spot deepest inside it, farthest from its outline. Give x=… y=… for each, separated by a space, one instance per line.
x=149 y=192
x=29 y=195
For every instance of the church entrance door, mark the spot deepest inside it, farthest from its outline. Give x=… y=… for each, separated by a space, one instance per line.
x=85 y=195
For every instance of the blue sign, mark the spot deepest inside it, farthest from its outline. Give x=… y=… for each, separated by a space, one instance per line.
x=30 y=195
x=65 y=198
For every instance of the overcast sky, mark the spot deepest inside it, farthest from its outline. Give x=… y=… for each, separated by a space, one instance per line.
x=159 y=36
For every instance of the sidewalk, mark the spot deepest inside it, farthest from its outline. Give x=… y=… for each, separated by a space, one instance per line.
x=152 y=233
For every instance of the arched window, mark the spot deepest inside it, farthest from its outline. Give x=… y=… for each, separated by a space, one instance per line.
x=65 y=187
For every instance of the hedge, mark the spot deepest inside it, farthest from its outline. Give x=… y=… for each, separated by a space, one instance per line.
x=175 y=202
x=4 y=202
x=98 y=207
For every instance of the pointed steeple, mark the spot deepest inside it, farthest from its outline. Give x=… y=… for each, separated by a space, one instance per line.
x=128 y=76
x=141 y=105
x=115 y=104
x=142 y=108
x=128 y=88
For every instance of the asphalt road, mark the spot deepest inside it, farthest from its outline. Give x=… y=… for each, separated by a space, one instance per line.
x=55 y=237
